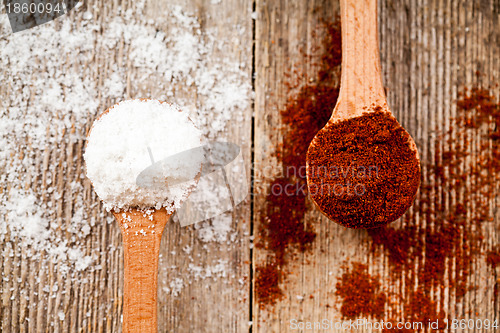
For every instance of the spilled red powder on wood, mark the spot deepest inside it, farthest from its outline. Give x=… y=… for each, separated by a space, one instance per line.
x=422 y=256
x=486 y=109
x=282 y=230
x=400 y=244
x=361 y=293
x=267 y=281
x=493 y=258
x=429 y=310
x=454 y=204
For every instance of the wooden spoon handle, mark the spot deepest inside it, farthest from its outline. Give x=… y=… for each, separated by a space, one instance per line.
x=361 y=82
x=141 y=241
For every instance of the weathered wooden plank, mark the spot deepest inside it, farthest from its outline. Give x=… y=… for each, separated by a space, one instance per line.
x=36 y=295
x=430 y=51
x=219 y=303
x=282 y=30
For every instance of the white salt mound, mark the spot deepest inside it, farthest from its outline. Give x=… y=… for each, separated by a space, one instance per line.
x=129 y=138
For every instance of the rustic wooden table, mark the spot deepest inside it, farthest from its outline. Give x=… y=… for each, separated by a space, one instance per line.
x=429 y=50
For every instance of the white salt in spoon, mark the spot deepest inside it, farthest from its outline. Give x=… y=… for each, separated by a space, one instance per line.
x=116 y=137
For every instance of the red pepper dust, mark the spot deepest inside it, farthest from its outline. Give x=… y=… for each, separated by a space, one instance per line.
x=282 y=231
x=438 y=257
x=493 y=258
x=362 y=172
x=361 y=293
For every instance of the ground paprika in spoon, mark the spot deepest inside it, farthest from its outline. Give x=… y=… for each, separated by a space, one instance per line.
x=363 y=172
x=363 y=168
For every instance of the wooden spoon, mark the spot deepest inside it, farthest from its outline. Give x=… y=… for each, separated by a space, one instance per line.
x=142 y=231
x=361 y=92
x=361 y=81
x=142 y=234
x=141 y=245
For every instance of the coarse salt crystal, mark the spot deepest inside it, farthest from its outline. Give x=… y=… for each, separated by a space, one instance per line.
x=128 y=139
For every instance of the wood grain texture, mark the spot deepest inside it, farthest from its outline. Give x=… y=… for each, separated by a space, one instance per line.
x=361 y=86
x=219 y=303
x=92 y=300
x=429 y=50
x=141 y=235
x=284 y=32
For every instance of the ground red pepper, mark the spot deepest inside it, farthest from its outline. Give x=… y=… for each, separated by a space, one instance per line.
x=361 y=293
x=282 y=229
x=267 y=283
x=422 y=258
x=493 y=258
x=449 y=237
x=362 y=172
